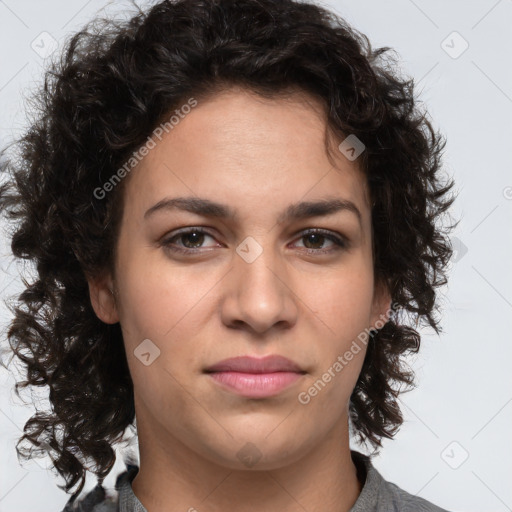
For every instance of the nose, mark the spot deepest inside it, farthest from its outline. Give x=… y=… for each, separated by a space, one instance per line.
x=259 y=293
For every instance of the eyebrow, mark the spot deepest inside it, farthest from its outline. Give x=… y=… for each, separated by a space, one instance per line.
x=296 y=211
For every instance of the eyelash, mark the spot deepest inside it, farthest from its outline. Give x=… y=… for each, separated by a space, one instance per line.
x=340 y=243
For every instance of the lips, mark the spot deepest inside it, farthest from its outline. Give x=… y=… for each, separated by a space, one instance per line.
x=248 y=364
x=252 y=377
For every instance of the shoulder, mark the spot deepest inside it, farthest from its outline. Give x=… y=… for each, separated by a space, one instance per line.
x=379 y=495
x=402 y=501
x=99 y=499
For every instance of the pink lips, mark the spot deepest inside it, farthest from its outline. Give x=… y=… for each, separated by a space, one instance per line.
x=254 y=377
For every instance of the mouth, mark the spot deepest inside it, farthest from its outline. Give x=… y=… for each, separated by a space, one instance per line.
x=253 y=377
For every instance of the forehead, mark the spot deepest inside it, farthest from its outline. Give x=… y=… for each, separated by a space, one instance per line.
x=243 y=148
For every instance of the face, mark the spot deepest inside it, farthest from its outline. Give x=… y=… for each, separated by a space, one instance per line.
x=194 y=287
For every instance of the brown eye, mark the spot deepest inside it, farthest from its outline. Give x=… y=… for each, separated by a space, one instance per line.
x=192 y=237
x=191 y=240
x=313 y=240
x=317 y=237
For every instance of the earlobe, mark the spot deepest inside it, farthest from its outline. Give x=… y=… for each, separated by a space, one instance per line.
x=101 y=293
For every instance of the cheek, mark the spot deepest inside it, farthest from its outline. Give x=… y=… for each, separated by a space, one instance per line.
x=166 y=306
x=340 y=311
x=158 y=319
x=157 y=296
x=341 y=303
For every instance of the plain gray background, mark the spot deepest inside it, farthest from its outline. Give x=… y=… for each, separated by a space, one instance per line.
x=455 y=446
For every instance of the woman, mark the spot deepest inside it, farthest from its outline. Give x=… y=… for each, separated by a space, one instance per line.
x=233 y=211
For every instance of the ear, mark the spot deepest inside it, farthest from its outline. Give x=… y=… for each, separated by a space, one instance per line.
x=101 y=293
x=381 y=306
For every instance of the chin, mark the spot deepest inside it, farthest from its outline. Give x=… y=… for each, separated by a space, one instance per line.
x=262 y=451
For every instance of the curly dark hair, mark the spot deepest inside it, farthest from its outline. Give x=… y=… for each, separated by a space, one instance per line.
x=112 y=85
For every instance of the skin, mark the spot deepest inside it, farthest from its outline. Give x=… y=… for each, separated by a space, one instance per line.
x=256 y=156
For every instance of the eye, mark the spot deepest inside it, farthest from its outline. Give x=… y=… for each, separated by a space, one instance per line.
x=192 y=240
x=318 y=236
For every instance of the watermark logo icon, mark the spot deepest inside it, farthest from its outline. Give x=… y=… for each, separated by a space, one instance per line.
x=249 y=249
x=249 y=454
x=351 y=147
x=460 y=249
x=44 y=45
x=455 y=455
x=454 y=45
x=146 y=352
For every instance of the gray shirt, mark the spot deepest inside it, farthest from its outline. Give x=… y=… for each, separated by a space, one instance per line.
x=377 y=495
